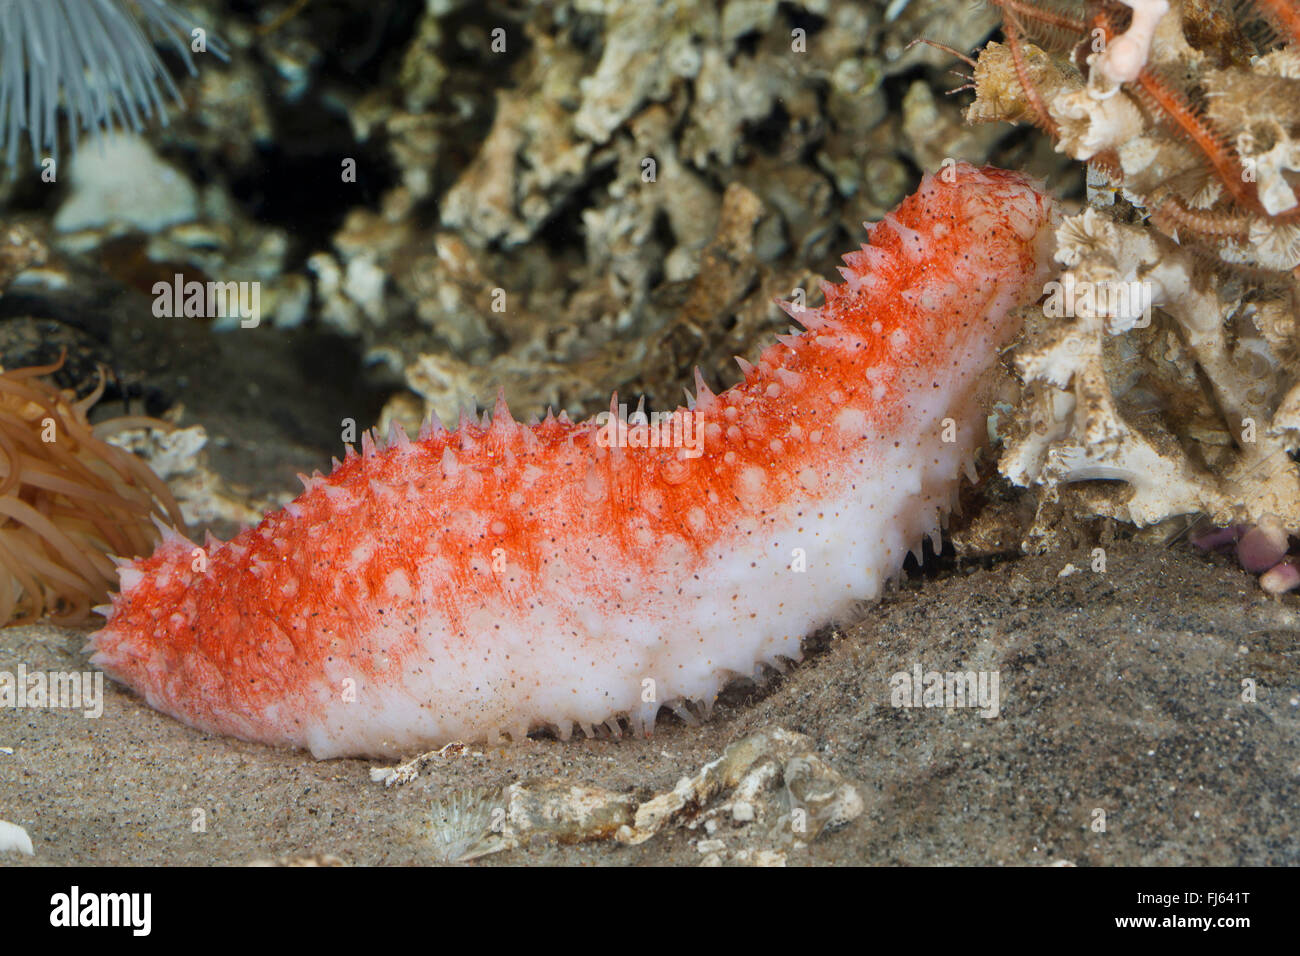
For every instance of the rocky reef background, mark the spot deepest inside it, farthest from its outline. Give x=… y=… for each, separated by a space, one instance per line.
x=440 y=199
x=1175 y=401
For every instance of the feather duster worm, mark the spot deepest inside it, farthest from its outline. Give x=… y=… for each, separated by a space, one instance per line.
x=67 y=501
x=93 y=60
x=507 y=578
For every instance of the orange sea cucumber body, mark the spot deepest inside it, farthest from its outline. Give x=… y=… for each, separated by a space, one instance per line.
x=501 y=577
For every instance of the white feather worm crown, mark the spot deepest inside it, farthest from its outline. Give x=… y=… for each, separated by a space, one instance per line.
x=93 y=59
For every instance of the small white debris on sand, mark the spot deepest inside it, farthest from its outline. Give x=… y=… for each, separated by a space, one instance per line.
x=777 y=782
x=408 y=771
x=808 y=795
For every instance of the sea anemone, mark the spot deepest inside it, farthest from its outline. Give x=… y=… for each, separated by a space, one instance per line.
x=93 y=58
x=68 y=500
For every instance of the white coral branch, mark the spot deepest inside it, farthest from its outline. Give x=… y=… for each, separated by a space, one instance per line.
x=1127 y=54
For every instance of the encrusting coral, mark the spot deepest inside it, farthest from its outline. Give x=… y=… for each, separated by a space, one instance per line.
x=1092 y=409
x=581 y=205
x=1185 y=106
x=1160 y=374
x=68 y=500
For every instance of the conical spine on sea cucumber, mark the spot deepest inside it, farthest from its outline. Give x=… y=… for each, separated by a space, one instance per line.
x=503 y=578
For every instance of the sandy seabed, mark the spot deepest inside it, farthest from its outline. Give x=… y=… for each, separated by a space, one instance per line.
x=1120 y=691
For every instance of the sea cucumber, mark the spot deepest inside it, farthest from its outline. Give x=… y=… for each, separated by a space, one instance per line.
x=505 y=578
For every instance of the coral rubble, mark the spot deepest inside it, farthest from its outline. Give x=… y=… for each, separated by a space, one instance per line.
x=649 y=180
x=1160 y=374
